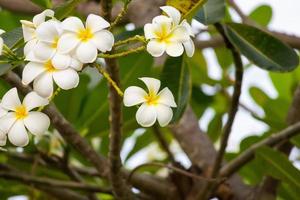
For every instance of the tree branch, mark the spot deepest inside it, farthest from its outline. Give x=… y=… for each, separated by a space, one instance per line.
x=245 y=157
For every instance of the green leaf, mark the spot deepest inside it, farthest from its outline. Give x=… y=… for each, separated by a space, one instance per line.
x=66 y=9
x=262 y=15
x=176 y=76
x=212 y=11
x=261 y=48
x=215 y=127
x=187 y=7
x=43 y=3
x=279 y=166
x=13 y=37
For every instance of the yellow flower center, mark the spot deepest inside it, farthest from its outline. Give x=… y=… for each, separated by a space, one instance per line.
x=49 y=67
x=85 y=34
x=164 y=34
x=54 y=44
x=21 y=112
x=152 y=98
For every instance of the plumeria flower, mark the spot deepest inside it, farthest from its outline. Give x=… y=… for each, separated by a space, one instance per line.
x=20 y=119
x=168 y=34
x=29 y=29
x=42 y=74
x=155 y=104
x=3 y=136
x=84 y=41
x=1 y=41
x=48 y=34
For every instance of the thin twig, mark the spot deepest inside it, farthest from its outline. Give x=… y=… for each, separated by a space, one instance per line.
x=163 y=143
x=175 y=169
x=121 y=15
x=248 y=154
x=122 y=54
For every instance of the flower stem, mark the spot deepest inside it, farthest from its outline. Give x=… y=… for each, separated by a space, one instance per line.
x=134 y=38
x=51 y=98
x=122 y=54
x=121 y=15
x=108 y=78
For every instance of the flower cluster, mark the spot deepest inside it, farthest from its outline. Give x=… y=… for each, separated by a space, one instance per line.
x=169 y=34
x=56 y=51
x=1 y=41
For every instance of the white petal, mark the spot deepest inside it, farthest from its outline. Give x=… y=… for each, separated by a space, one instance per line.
x=67 y=42
x=1 y=31
x=162 y=19
x=18 y=135
x=7 y=121
x=28 y=30
x=43 y=85
x=149 y=30
x=146 y=115
x=188 y=27
x=86 y=52
x=44 y=51
x=175 y=49
x=173 y=13
x=66 y=79
x=61 y=61
x=11 y=99
x=164 y=114
x=180 y=34
x=73 y=24
x=166 y=97
x=3 y=138
x=40 y=18
x=31 y=71
x=133 y=96
x=29 y=46
x=189 y=48
x=37 y=123
x=103 y=40
x=155 y=48
x=2 y=111
x=33 y=100
x=152 y=84
x=96 y=23
x=76 y=64
x=48 y=31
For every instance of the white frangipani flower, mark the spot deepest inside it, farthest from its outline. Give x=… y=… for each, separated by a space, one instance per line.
x=1 y=41
x=167 y=34
x=155 y=104
x=29 y=29
x=84 y=41
x=20 y=119
x=48 y=34
x=42 y=73
x=3 y=136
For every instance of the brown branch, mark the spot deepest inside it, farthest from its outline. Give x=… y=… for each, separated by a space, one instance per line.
x=234 y=103
x=47 y=182
x=245 y=157
x=175 y=169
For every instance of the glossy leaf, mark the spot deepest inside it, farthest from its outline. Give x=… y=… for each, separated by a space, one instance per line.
x=279 y=166
x=215 y=127
x=262 y=15
x=212 y=11
x=261 y=48
x=176 y=77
